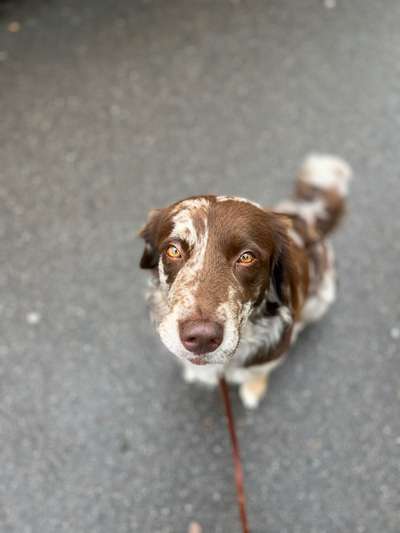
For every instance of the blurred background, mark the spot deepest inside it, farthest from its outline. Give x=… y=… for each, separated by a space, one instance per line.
x=109 y=108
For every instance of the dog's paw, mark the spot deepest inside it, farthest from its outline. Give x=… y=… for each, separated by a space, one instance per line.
x=252 y=392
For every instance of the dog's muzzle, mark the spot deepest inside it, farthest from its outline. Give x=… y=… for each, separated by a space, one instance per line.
x=201 y=336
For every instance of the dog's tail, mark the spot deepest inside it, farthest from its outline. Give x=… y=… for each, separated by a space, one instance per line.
x=320 y=193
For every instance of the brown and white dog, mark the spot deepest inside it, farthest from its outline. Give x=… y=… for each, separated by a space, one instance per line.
x=234 y=283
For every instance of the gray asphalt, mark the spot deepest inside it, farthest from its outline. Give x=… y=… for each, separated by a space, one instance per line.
x=111 y=108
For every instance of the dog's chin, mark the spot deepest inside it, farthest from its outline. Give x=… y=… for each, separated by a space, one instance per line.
x=198 y=360
x=201 y=360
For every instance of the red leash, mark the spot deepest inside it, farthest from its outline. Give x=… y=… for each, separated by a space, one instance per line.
x=236 y=456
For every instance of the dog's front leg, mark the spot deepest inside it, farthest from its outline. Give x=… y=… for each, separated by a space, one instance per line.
x=253 y=391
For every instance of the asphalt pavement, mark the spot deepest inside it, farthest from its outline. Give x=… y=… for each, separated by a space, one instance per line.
x=109 y=108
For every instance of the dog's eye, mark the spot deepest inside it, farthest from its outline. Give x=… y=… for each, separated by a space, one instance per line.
x=246 y=258
x=173 y=252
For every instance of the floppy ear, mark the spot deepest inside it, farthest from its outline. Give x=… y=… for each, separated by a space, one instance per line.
x=150 y=233
x=286 y=266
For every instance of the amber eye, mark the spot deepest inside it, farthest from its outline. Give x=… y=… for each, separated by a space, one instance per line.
x=246 y=258
x=173 y=252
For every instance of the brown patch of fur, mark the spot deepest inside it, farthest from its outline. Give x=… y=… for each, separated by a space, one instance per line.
x=157 y=227
x=234 y=227
x=334 y=205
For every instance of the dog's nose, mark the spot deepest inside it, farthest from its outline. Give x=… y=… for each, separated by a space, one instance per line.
x=201 y=336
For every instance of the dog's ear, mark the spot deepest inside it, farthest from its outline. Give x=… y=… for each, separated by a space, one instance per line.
x=150 y=233
x=286 y=265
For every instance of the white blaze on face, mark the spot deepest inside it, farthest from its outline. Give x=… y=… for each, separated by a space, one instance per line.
x=182 y=217
x=183 y=228
x=162 y=276
x=180 y=298
x=233 y=314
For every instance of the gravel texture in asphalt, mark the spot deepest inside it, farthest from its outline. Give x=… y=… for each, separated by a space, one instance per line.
x=110 y=108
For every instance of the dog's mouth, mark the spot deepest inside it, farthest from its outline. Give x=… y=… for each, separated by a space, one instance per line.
x=198 y=360
x=209 y=358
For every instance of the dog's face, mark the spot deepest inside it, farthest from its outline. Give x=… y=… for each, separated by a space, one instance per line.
x=215 y=259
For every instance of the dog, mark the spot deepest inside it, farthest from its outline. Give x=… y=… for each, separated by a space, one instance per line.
x=233 y=283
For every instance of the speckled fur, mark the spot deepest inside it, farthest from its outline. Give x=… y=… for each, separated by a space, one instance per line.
x=255 y=339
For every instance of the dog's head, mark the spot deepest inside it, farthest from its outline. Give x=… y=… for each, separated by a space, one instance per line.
x=216 y=259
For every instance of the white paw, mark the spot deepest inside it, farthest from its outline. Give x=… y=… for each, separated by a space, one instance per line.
x=249 y=399
x=252 y=392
